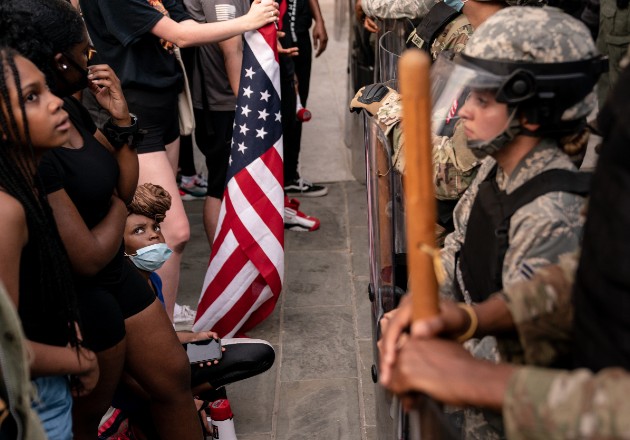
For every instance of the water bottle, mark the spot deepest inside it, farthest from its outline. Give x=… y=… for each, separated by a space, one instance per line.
x=222 y=420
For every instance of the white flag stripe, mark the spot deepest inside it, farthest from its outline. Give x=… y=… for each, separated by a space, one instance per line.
x=264 y=296
x=220 y=220
x=230 y=244
x=224 y=302
x=279 y=146
x=256 y=226
x=265 y=56
x=265 y=179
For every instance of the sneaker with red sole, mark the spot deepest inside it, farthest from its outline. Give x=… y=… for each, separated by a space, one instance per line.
x=296 y=220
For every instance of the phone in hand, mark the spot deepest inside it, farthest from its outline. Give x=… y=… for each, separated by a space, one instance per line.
x=204 y=351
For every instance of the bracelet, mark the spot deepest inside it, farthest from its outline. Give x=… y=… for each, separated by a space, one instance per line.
x=474 y=322
x=119 y=136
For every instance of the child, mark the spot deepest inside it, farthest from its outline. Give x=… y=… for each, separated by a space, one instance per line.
x=146 y=249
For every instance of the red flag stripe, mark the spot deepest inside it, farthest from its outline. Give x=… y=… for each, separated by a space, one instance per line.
x=261 y=204
x=273 y=160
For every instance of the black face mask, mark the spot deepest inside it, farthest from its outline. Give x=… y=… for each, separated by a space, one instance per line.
x=83 y=82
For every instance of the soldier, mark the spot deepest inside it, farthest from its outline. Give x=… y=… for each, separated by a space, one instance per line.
x=522 y=211
x=543 y=403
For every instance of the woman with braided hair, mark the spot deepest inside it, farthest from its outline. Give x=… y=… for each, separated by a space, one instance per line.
x=35 y=267
x=88 y=182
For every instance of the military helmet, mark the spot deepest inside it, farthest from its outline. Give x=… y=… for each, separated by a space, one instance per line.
x=542 y=63
x=519 y=2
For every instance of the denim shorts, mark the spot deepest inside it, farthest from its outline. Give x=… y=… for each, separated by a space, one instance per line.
x=54 y=406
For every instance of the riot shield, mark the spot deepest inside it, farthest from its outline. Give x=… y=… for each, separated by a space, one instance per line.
x=385 y=226
x=392 y=36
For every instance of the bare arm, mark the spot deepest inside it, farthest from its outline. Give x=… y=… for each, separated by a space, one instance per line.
x=106 y=87
x=89 y=250
x=13 y=237
x=232 y=49
x=190 y=33
x=47 y=359
x=320 y=36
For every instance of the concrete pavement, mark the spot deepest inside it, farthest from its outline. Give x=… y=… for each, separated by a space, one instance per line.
x=320 y=385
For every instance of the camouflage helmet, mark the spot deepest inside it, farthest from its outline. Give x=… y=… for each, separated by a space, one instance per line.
x=540 y=41
x=540 y=62
x=520 y=2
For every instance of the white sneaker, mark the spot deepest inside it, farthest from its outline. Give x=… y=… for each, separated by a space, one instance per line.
x=183 y=314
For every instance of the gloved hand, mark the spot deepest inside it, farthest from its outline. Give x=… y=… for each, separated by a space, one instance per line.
x=370 y=98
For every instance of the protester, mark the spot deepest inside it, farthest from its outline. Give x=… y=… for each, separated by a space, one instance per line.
x=137 y=38
x=30 y=244
x=122 y=321
x=297 y=21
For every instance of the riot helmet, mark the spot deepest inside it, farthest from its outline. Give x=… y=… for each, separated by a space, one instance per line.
x=540 y=63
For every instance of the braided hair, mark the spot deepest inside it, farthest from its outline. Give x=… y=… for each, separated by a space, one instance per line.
x=150 y=201
x=54 y=283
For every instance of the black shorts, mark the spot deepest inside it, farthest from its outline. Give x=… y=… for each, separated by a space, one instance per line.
x=214 y=138
x=157 y=114
x=105 y=304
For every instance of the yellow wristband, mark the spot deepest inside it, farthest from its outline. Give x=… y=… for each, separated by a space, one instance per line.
x=474 y=322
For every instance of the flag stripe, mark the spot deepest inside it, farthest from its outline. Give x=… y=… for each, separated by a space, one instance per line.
x=257 y=292
x=256 y=199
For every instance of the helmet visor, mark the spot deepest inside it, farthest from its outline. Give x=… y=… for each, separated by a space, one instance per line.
x=452 y=84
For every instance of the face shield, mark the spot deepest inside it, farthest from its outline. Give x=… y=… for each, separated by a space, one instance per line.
x=460 y=90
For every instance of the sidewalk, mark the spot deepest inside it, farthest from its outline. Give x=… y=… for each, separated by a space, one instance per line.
x=320 y=385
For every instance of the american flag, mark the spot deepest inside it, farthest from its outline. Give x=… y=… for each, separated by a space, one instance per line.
x=246 y=269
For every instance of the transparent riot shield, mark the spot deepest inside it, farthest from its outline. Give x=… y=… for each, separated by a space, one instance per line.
x=392 y=39
x=386 y=242
x=388 y=282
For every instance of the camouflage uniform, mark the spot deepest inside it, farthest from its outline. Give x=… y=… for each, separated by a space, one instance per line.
x=454 y=37
x=540 y=231
x=396 y=8
x=542 y=311
x=553 y=404
x=613 y=40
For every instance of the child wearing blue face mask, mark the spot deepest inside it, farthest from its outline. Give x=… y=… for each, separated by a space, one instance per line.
x=146 y=249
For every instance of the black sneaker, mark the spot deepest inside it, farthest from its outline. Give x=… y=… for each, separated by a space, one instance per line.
x=304 y=188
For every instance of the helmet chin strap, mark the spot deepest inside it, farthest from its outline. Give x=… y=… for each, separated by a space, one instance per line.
x=482 y=149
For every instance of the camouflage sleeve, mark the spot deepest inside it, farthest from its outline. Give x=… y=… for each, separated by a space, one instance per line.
x=543 y=312
x=396 y=8
x=454 y=37
x=454 y=165
x=540 y=232
x=554 y=404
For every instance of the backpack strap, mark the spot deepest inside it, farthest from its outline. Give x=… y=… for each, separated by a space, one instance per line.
x=438 y=16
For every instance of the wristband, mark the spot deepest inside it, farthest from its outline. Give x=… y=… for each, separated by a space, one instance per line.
x=119 y=136
x=474 y=322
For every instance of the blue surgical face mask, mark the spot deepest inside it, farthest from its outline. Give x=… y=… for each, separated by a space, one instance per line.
x=456 y=4
x=151 y=258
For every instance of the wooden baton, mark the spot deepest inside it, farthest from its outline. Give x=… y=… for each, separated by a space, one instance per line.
x=420 y=202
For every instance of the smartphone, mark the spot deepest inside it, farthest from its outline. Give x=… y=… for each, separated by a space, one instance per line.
x=204 y=351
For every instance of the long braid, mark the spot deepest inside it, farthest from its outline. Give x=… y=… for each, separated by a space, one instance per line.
x=55 y=283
